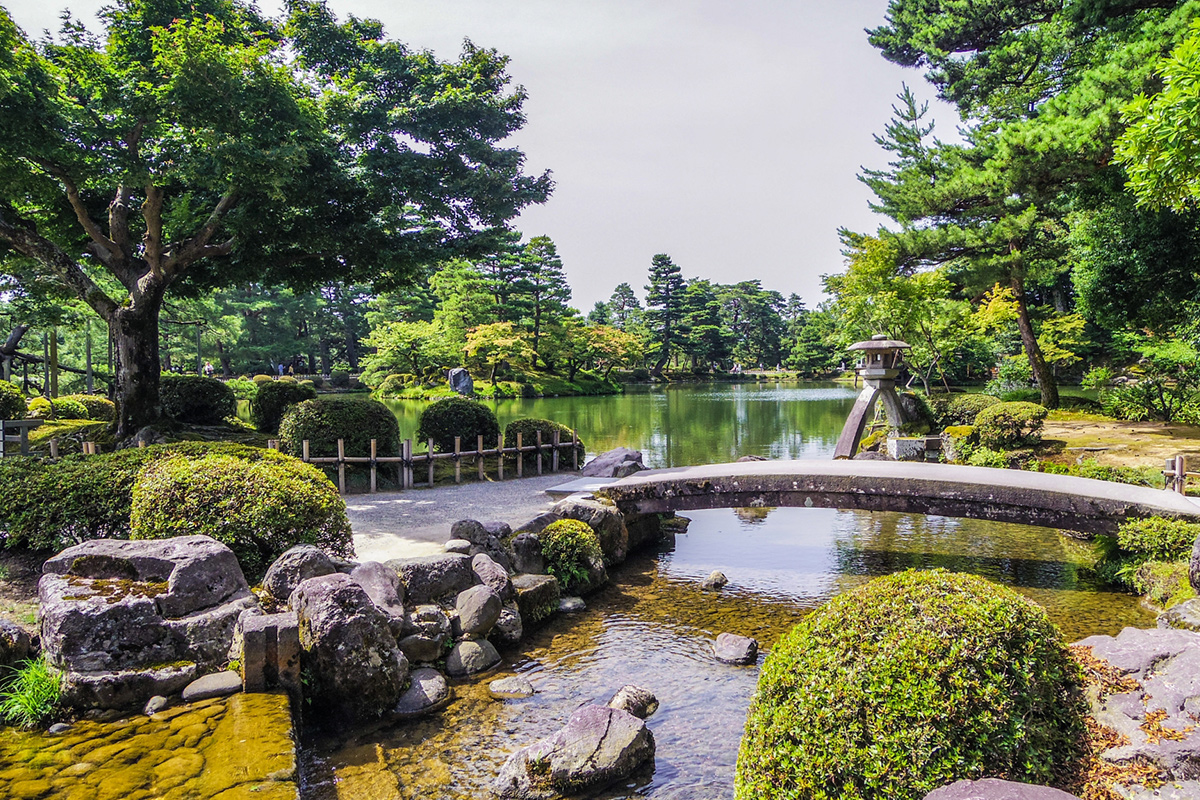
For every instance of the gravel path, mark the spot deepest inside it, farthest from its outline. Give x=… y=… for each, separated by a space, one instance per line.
x=417 y=522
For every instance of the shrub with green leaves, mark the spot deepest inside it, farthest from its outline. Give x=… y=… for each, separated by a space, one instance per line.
x=571 y=551
x=1158 y=538
x=962 y=409
x=987 y=457
x=529 y=428
x=195 y=399
x=1005 y=426
x=394 y=385
x=67 y=408
x=1091 y=468
x=911 y=682
x=12 y=401
x=324 y=420
x=458 y=416
x=243 y=389
x=259 y=509
x=273 y=399
x=39 y=408
x=98 y=408
x=340 y=379
x=30 y=696
x=261 y=379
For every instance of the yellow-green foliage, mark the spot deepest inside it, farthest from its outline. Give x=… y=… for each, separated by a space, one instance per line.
x=570 y=548
x=1004 y=426
x=1157 y=538
x=960 y=431
x=40 y=408
x=31 y=695
x=1164 y=583
x=98 y=408
x=873 y=440
x=909 y=683
x=67 y=408
x=259 y=509
x=12 y=401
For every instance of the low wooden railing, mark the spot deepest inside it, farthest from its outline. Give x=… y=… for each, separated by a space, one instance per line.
x=15 y=433
x=1176 y=474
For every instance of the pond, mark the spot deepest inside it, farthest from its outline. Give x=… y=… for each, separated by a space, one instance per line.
x=652 y=626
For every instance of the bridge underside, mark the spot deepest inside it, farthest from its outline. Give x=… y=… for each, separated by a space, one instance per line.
x=1029 y=498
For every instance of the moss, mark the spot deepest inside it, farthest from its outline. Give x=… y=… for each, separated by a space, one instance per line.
x=115 y=589
x=1164 y=583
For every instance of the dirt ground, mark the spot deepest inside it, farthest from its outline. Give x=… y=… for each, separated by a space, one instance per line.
x=1125 y=444
x=19 y=573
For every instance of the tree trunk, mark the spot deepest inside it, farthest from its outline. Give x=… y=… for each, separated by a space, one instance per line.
x=134 y=330
x=226 y=364
x=1047 y=385
x=351 y=346
x=325 y=361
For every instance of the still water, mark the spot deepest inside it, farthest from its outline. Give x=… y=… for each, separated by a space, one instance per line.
x=652 y=626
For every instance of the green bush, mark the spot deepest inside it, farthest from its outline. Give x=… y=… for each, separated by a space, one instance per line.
x=986 y=457
x=339 y=379
x=98 y=408
x=962 y=409
x=528 y=428
x=195 y=399
x=261 y=379
x=571 y=551
x=1021 y=396
x=243 y=388
x=273 y=399
x=458 y=416
x=39 y=408
x=66 y=408
x=1005 y=426
x=48 y=505
x=1090 y=468
x=1157 y=538
x=259 y=509
x=394 y=385
x=326 y=419
x=906 y=684
x=12 y=401
x=31 y=696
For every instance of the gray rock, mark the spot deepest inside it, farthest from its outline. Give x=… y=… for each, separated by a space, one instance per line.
x=492 y=575
x=508 y=629
x=427 y=692
x=995 y=789
x=419 y=649
x=715 y=582
x=297 y=564
x=1134 y=650
x=598 y=746
x=357 y=668
x=734 y=649
x=500 y=530
x=457 y=546
x=474 y=532
x=538 y=524
x=209 y=633
x=514 y=687
x=527 y=554
x=383 y=586
x=478 y=610
x=155 y=704
x=471 y=658
x=647 y=529
x=604 y=519
x=58 y=727
x=216 y=684
x=634 y=699
x=428 y=620
x=460 y=381
x=537 y=597
x=15 y=643
x=745 y=459
x=124 y=690
x=430 y=577
x=571 y=605
x=619 y=462
x=1194 y=566
x=1185 y=616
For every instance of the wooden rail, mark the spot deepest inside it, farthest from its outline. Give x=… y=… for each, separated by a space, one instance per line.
x=1176 y=474
x=15 y=432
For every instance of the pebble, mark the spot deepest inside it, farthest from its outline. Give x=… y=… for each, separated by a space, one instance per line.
x=733 y=649
x=458 y=546
x=59 y=727
x=218 y=684
x=156 y=704
x=571 y=605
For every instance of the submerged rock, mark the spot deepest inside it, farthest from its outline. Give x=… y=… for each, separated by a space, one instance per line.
x=537 y=597
x=427 y=692
x=634 y=699
x=513 y=687
x=598 y=746
x=995 y=789
x=733 y=649
x=715 y=582
x=571 y=605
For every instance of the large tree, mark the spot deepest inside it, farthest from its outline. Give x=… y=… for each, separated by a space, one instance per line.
x=540 y=290
x=664 y=308
x=199 y=144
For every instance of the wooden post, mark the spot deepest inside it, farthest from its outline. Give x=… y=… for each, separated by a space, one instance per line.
x=457 y=459
x=406 y=478
x=54 y=448
x=141 y=442
x=500 y=460
x=554 y=453
x=539 y=452
x=1181 y=474
x=342 y=466
x=374 y=484
x=575 y=450
x=520 y=458
x=429 y=456
x=479 y=455
x=304 y=450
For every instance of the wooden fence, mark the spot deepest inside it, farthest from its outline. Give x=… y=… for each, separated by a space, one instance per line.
x=1176 y=474
x=409 y=464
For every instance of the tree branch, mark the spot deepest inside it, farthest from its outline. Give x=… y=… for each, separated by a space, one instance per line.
x=197 y=246
x=152 y=240
x=106 y=250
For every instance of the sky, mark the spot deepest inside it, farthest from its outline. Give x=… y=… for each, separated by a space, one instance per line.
x=725 y=134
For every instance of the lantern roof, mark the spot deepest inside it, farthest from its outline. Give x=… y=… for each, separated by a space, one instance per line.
x=881 y=343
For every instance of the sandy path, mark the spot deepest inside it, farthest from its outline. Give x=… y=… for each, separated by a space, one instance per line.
x=1130 y=444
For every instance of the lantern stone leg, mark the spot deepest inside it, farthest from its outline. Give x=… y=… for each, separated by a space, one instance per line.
x=879 y=370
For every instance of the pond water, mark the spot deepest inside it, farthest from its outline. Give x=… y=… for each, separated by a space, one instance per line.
x=652 y=626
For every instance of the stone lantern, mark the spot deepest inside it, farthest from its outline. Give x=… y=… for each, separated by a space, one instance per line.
x=879 y=369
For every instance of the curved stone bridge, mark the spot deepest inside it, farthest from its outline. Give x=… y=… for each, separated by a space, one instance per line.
x=1004 y=495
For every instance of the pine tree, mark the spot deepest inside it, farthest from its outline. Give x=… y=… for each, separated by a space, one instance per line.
x=623 y=307
x=664 y=307
x=541 y=290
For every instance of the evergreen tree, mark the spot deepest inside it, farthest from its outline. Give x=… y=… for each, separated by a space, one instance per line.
x=623 y=307
x=541 y=290
x=707 y=339
x=664 y=308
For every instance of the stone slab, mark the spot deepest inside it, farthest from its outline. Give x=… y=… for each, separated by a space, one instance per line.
x=585 y=486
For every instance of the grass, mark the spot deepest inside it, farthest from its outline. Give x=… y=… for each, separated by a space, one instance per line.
x=31 y=696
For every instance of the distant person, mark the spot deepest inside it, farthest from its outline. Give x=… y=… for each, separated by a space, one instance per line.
x=291 y=370
x=279 y=369
x=208 y=369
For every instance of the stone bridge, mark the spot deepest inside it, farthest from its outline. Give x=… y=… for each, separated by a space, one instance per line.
x=1003 y=495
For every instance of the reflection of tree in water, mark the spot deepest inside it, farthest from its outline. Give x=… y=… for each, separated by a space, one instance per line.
x=753 y=516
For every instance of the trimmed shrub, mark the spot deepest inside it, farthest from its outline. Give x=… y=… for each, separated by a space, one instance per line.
x=259 y=509
x=12 y=401
x=528 y=428
x=243 y=388
x=66 y=408
x=273 y=399
x=39 y=408
x=326 y=419
x=261 y=379
x=1158 y=538
x=458 y=416
x=195 y=399
x=962 y=409
x=571 y=551
x=1004 y=426
x=393 y=385
x=98 y=408
x=911 y=682
x=340 y=380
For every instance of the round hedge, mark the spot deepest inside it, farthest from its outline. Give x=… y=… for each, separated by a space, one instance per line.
x=1007 y=425
x=911 y=682
x=12 y=401
x=571 y=551
x=529 y=427
x=68 y=408
x=259 y=509
x=196 y=399
x=962 y=409
x=458 y=416
x=98 y=408
x=273 y=399
x=323 y=421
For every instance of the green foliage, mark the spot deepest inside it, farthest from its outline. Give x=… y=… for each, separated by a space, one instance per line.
x=244 y=388
x=259 y=380
x=1023 y=396
x=457 y=416
x=1090 y=468
x=528 y=428
x=909 y=683
x=196 y=400
x=39 y=408
x=273 y=399
x=340 y=379
x=12 y=401
x=259 y=509
x=324 y=420
x=1164 y=583
x=1005 y=426
x=1013 y=374
x=96 y=407
x=986 y=457
x=1098 y=378
x=30 y=696
x=67 y=408
x=1157 y=538
x=962 y=409
x=1167 y=385
x=395 y=385
x=570 y=548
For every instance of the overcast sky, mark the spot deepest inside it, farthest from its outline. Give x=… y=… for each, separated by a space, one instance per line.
x=726 y=134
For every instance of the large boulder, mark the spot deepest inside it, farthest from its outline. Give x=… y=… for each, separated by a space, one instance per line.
x=733 y=649
x=425 y=634
x=603 y=518
x=357 y=669
x=538 y=524
x=598 y=746
x=15 y=644
x=470 y=658
x=296 y=564
x=383 y=586
x=460 y=381
x=537 y=597
x=492 y=575
x=620 y=462
x=427 y=578
x=478 y=610
x=527 y=553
